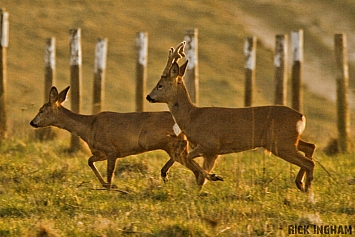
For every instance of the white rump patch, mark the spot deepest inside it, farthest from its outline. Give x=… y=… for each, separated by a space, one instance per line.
x=301 y=124
x=177 y=129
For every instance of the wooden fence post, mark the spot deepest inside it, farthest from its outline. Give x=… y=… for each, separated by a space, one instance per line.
x=192 y=77
x=99 y=75
x=4 y=37
x=49 y=66
x=297 y=54
x=141 y=69
x=342 y=81
x=49 y=80
x=281 y=69
x=250 y=61
x=75 y=79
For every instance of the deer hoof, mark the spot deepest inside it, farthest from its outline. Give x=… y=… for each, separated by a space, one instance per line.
x=165 y=179
x=301 y=186
x=108 y=186
x=214 y=177
x=164 y=176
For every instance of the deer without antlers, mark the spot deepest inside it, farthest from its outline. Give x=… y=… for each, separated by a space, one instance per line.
x=112 y=135
x=216 y=130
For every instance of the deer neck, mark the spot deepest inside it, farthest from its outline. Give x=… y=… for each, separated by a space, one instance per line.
x=74 y=123
x=182 y=107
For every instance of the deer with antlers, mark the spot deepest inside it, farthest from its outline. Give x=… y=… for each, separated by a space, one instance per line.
x=216 y=130
x=112 y=135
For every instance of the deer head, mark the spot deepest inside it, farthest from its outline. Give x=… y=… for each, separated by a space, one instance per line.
x=47 y=115
x=171 y=76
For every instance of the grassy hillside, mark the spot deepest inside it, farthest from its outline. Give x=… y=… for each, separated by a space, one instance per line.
x=222 y=25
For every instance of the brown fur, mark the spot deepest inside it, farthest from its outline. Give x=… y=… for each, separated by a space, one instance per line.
x=217 y=130
x=112 y=135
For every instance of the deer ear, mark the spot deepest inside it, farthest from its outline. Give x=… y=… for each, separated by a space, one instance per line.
x=63 y=95
x=174 y=70
x=53 y=95
x=183 y=68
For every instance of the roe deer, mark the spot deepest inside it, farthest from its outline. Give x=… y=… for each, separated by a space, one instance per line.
x=112 y=135
x=217 y=130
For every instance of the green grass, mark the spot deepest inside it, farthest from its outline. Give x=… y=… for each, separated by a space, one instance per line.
x=43 y=188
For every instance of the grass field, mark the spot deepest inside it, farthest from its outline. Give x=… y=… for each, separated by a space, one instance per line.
x=43 y=189
x=46 y=190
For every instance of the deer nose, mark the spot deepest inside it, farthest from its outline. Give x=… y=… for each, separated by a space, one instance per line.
x=150 y=99
x=33 y=124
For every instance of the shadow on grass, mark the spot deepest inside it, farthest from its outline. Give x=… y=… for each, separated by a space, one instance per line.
x=182 y=231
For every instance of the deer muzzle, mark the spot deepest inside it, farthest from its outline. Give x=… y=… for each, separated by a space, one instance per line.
x=150 y=99
x=33 y=124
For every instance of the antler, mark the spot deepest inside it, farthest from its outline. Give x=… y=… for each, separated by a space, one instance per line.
x=174 y=56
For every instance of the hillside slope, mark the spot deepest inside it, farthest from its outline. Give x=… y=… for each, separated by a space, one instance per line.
x=320 y=20
x=222 y=25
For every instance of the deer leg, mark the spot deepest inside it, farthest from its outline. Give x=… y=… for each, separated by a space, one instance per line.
x=91 y=163
x=180 y=152
x=208 y=164
x=293 y=156
x=200 y=177
x=165 y=170
x=196 y=152
x=182 y=158
x=177 y=152
x=308 y=149
x=111 y=166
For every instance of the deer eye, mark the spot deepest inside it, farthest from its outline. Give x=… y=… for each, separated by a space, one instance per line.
x=160 y=86
x=41 y=110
